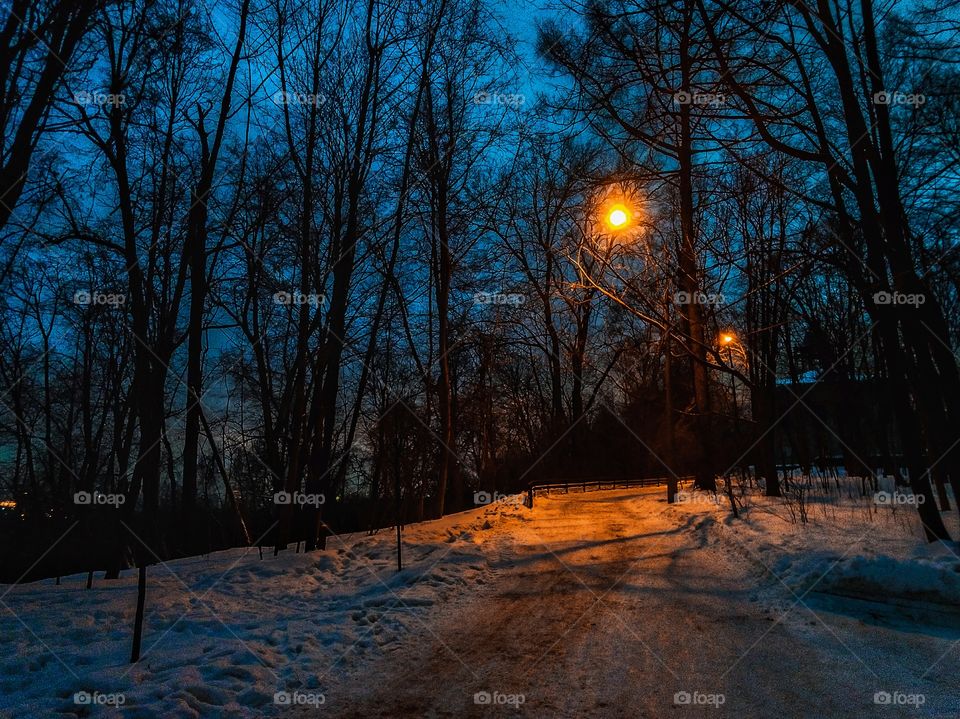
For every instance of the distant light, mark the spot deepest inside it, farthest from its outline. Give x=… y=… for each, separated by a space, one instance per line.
x=8 y=504
x=727 y=339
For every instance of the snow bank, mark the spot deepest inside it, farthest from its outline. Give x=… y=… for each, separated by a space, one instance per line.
x=850 y=546
x=230 y=634
x=933 y=579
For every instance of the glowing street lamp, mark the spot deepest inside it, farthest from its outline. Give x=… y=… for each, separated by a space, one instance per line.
x=618 y=217
x=729 y=339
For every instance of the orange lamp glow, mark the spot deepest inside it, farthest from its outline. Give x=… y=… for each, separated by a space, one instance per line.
x=618 y=217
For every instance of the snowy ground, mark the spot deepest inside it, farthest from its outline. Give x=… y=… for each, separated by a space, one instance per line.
x=603 y=604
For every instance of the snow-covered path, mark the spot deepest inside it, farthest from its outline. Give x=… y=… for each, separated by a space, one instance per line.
x=603 y=604
x=609 y=604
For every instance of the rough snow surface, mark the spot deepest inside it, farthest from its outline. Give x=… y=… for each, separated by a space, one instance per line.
x=230 y=634
x=601 y=604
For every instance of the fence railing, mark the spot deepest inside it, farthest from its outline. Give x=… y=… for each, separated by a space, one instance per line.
x=583 y=485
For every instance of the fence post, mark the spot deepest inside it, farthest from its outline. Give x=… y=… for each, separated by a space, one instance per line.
x=530 y=496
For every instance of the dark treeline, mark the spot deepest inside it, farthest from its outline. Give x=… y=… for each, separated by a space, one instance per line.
x=274 y=269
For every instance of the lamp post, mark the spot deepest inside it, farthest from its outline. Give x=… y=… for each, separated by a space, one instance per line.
x=672 y=484
x=729 y=340
x=618 y=216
